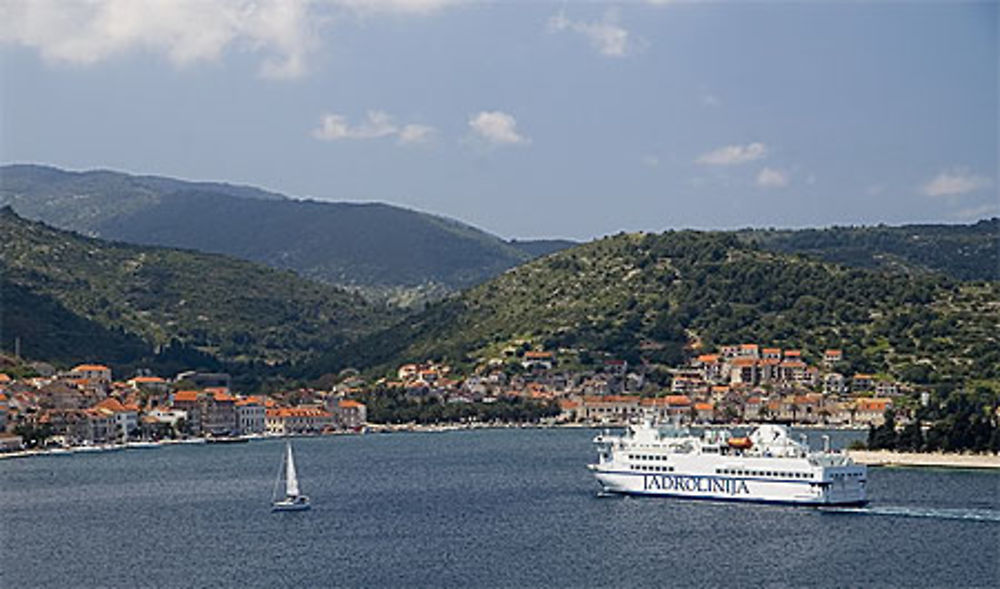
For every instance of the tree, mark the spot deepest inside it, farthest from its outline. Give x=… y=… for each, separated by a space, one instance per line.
x=911 y=438
x=33 y=436
x=883 y=437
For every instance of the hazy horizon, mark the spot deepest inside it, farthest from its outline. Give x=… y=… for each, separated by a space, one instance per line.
x=295 y=197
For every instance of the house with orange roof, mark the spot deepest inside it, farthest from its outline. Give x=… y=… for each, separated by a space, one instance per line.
x=153 y=384
x=609 y=408
x=656 y=409
x=769 y=370
x=218 y=412
x=713 y=369
x=663 y=409
x=568 y=410
x=749 y=351
x=124 y=418
x=297 y=420
x=870 y=411
x=744 y=370
x=91 y=426
x=348 y=414
x=190 y=402
x=719 y=392
x=704 y=412
x=862 y=382
x=771 y=353
x=250 y=416
x=97 y=374
x=687 y=384
x=831 y=357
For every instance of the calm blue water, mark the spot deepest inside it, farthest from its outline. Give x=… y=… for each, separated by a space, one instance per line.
x=486 y=508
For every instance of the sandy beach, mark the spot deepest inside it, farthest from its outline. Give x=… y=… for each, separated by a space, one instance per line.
x=933 y=460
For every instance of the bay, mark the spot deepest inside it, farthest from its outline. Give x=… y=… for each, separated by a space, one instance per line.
x=484 y=508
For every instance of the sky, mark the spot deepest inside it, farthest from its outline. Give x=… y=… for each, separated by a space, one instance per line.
x=527 y=119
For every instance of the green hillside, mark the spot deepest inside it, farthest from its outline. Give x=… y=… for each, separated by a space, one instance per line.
x=71 y=297
x=380 y=249
x=652 y=297
x=966 y=252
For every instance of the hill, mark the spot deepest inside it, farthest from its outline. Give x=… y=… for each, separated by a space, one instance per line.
x=73 y=298
x=660 y=298
x=378 y=248
x=966 y=252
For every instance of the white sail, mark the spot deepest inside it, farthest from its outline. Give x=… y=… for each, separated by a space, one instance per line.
x=291 y=481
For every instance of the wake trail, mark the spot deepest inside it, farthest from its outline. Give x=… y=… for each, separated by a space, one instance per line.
x=965 y=514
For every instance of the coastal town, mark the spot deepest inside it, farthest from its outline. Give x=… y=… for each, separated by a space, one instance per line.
x=86 y=407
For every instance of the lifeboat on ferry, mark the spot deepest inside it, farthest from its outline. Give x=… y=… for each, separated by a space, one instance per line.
x=741 y=443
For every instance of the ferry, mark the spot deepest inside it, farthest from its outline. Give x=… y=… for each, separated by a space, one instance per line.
x=768 y=466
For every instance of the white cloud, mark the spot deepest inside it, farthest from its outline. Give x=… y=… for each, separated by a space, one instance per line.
x=734 y=154
x=605 y=35
x=772 y=178
x=497 y=127
x=184 y=31
x=395 y=6
x=954 y=182
x=711 y=100
x=283 y=33
x=377 y=124
x=412 y=133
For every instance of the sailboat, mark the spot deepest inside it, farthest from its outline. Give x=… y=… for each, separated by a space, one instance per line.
x=293 y=500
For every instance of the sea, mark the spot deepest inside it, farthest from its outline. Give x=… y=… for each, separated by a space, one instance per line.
x=479 y=508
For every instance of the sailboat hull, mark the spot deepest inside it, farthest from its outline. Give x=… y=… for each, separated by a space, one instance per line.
x=287 y=506
x=300 y=503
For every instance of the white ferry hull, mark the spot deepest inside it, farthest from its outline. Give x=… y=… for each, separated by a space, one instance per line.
x=765 y=467
x=722 y=488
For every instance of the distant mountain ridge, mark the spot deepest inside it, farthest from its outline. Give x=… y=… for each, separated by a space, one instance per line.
x=370 y=246
x=966 y=252
x=405 y=256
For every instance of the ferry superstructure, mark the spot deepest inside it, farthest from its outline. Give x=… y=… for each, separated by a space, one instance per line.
x=767 y=466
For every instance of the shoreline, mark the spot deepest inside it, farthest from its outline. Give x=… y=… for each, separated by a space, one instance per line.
x=890 y=459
